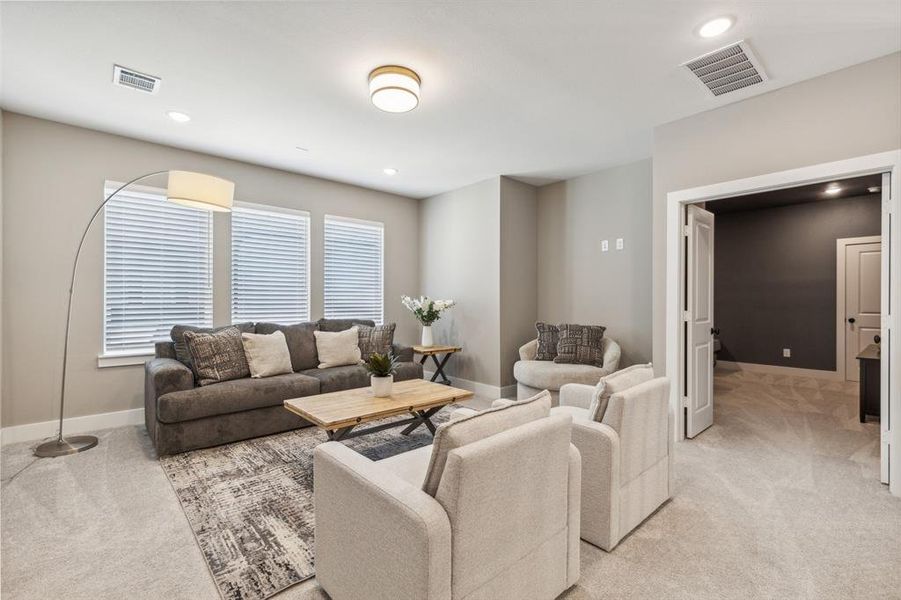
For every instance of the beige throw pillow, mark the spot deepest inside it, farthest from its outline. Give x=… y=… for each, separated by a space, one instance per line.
x=469 y=429
x=267 y=354
x=338 y=348
x=613 y=384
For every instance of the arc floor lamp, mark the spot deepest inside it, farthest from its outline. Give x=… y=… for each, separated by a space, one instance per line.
x=196 y=190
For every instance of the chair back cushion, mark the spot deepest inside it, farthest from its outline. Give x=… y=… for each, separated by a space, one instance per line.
x=506 y=497
x=615 y=383
x=467 y=430
x=640 y=415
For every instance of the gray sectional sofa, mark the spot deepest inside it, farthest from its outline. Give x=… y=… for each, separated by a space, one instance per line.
x=181 y=416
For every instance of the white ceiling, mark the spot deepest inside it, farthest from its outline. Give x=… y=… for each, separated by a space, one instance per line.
x=539 y=91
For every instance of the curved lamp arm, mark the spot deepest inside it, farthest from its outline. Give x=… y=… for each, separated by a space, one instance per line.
x=62 y=394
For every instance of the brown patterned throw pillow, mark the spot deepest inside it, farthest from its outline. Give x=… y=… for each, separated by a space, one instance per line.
x=217 y=356
x=547 y=341
x=580 y=344
x=378 y=339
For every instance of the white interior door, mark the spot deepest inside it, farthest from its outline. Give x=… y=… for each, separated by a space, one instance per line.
x=863 y=298
x=699 y=321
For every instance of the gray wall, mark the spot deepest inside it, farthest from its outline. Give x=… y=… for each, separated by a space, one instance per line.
x=518 y=271
x=53 y=180
x=775 y=278
x=577 y=283
x=848 y=113
x=459 y=233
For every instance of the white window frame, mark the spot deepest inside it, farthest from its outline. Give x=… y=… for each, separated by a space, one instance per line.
x=270 y=209
x=129 y=357
x=376 y=224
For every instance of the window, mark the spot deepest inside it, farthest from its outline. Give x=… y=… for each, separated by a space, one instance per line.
x=353 y=269
x=270 y=265
x=158 y=269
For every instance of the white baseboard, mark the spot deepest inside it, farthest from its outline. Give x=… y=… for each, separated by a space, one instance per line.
x=492 y=392
x=45 y=429
x=728 y=365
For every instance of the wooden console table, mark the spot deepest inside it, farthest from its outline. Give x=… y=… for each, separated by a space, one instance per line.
x=869 y=381
x=434 y=351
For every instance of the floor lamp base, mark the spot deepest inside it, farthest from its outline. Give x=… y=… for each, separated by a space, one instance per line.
x=70 y=445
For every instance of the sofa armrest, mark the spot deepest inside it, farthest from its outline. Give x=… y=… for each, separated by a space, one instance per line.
x=395 y=537
x=402 y=353
x=578 y=395
x=167 y=375
x=599 y=446
x=502 y=402
x=529 y=350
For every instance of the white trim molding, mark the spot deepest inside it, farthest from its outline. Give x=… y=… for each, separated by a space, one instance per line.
x=492 y=392
x=887 y=163
x=73 y=425
x=728 y=365
x=122 y=360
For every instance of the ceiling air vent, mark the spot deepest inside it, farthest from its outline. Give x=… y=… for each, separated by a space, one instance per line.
x=125 y=77
x=727 y=69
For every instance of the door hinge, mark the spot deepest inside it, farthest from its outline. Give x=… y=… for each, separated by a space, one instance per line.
x=887 y=436
x=686 y=316
x=686 y=230
x=684 y=401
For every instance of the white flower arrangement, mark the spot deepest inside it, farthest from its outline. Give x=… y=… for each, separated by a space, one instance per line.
x=425 y=309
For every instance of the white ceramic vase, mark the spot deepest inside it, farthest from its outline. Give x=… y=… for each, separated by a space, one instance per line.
x=427 y=339
x=381 y=386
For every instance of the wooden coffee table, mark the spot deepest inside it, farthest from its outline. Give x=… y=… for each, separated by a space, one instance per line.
x=338 y=413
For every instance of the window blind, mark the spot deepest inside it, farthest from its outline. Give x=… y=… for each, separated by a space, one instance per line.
x=157 y=269
x=353 y=269
x=270 y=278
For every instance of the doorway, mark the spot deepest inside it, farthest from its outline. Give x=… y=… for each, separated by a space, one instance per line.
x=685 y=330
x=858 y=291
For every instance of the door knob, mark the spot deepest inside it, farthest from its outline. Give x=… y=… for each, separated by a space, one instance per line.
x=851 y=320
x=714 y=331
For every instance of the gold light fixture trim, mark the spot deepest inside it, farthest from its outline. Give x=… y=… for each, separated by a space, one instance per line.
x=394 y=89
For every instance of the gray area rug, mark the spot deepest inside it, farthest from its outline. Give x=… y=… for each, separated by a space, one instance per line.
x=250 y=504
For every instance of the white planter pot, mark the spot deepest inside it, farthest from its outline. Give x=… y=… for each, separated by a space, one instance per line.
x=381 y=386
x=427 y=339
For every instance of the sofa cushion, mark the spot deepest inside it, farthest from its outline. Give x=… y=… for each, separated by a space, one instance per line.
x=178 y=338
x=301 y=342
x=615 y=383
x=342 y=324
x=548 y=336
x=267 y=354
x=233 y=396
x=335 y=379
x=375 y=340
x=408 y=370
x=410 y=466
x=578 y=414
x=218 y=356
x=467 y=430
x=338 y=348
x=548 y=375
x=580 y=344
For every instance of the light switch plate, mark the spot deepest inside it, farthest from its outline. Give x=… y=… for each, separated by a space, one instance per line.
x=787 y=352
x=619 y=243
x=605 y=245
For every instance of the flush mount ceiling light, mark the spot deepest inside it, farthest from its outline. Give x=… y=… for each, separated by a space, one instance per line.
x=178 y=117
x=394 y=89
x=715 y=27
x=833 y=189
x=390 y=171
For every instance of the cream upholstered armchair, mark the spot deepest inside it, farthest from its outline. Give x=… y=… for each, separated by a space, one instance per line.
x=533 y=376
x=489 y=511
x=626 y=456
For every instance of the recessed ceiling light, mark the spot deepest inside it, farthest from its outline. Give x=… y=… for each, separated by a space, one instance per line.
x=301 y=148
x=833 y=188
x=715 y=27
x=178 y=117
x=394 y=89
x=874 y=189
x=390 y=171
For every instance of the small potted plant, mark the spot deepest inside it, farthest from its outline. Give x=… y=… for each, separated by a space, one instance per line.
x=426 y=311
x=382 y=368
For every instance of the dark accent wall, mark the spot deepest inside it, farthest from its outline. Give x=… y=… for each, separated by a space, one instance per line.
x=774 y=283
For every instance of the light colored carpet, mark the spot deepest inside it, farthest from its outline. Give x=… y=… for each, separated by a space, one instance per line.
x=779 y=499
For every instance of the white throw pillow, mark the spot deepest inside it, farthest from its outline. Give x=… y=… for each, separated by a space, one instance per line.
x=267 y=354
x=614 y=383
x=338 y=348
